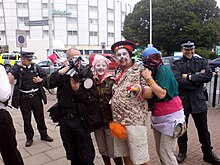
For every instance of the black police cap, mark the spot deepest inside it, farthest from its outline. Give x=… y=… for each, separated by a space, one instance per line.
x=187 y=43
x=28 y=55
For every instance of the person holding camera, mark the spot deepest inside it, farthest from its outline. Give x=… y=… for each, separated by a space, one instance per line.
x=191 y=73
x=28 y=95
x=76 y=92
x=8 y=143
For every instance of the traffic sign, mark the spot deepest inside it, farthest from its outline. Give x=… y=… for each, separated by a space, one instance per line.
x=21 y=38
x=217 y=50
x=103 y=45
x=37 y=23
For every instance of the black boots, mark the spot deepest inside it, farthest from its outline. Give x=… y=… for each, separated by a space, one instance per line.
x=29 y=143
x=181 y=157
x=211 y=158
x=47 y=138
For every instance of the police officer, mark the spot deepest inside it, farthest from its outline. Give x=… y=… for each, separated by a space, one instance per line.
x=73 y=97
x=28 y=94
x=8 y=143
x=191 y=73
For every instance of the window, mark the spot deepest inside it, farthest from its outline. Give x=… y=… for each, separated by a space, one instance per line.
x=45 y=18
x=111 y=34
x=12 y=57
x=22 y=5
x=72 y=33
x=93 y=21
x=93 y=8
x=1 y=20
x=93 y=33
x=1 y=5
x=27 y=32
x=110 y=23
x=22 y=19
x=44 y=5
x=72 y=19
x=46 y=32
x=2 y=33
x=110 y=11
x=123 y=14
x=71 y=7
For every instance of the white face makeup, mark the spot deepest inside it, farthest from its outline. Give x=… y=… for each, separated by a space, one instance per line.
x=123 y=57
x=101 y=67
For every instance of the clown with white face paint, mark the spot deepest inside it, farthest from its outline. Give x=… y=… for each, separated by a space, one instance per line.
x=100 y=68
x=123 y=57
x=130 y=110
x=104 y=82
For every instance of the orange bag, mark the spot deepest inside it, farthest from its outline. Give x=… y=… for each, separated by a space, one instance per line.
x=118 y=130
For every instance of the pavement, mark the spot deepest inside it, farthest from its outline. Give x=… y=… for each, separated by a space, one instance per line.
x=53 y=153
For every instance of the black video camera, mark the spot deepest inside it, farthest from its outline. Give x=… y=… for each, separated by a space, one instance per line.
x=74 y=72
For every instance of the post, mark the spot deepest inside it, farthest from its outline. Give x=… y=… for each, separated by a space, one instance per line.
x=151 y=23
x=50 y=27
x=215 y=88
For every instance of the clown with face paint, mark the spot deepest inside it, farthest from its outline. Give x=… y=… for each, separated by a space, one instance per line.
x=104 y=81
x=128 y=110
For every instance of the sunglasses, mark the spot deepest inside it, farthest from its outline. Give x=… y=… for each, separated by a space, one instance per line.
x=120 y=54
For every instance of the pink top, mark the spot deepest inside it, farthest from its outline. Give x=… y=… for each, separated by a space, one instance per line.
x=167 y=107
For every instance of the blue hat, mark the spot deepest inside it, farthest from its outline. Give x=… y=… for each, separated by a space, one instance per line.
x=149 y=51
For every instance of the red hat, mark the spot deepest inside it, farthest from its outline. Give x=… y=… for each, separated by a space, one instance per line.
x=123 y=44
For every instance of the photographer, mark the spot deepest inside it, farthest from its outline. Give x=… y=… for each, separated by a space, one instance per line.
x=74 y=97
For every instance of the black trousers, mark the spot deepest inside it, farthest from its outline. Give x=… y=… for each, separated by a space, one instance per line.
x=77 y=141
x=8 y=143
x=201 y=124
x=27 y=106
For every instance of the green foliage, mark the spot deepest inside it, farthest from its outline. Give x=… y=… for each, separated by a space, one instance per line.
x=172 y=21
x=206 y=53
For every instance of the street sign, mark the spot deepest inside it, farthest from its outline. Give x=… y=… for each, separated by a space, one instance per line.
x=217 y=50
x=103 y=45
x=37 y=23
x=21 y=38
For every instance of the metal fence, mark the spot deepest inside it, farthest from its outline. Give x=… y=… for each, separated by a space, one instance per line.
x=213 y=88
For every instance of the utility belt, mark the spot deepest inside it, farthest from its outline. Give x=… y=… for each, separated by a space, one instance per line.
x=29 y=95
x=70 y=113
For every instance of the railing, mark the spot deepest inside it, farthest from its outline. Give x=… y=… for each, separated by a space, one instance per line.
x=213 y=88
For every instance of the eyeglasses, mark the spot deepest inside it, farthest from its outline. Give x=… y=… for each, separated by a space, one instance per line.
x=120 y=54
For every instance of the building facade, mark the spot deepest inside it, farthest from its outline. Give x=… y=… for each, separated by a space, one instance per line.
x=85 y=24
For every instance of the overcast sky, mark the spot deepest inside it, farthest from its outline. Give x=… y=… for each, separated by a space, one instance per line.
x=133 y=2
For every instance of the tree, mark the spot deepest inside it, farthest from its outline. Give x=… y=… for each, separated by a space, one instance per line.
x=172 y=21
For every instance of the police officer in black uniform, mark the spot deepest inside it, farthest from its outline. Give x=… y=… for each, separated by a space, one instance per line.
x=28 y=95
x=73 y=97
x=191 y=73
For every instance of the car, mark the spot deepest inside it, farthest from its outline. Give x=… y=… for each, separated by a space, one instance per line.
x=9 y=59
x=48 y=66
x=113 y=64
x=168 y=60
x=215 y=63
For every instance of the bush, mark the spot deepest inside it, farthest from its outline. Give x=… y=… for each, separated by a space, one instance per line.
x=208 y=54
